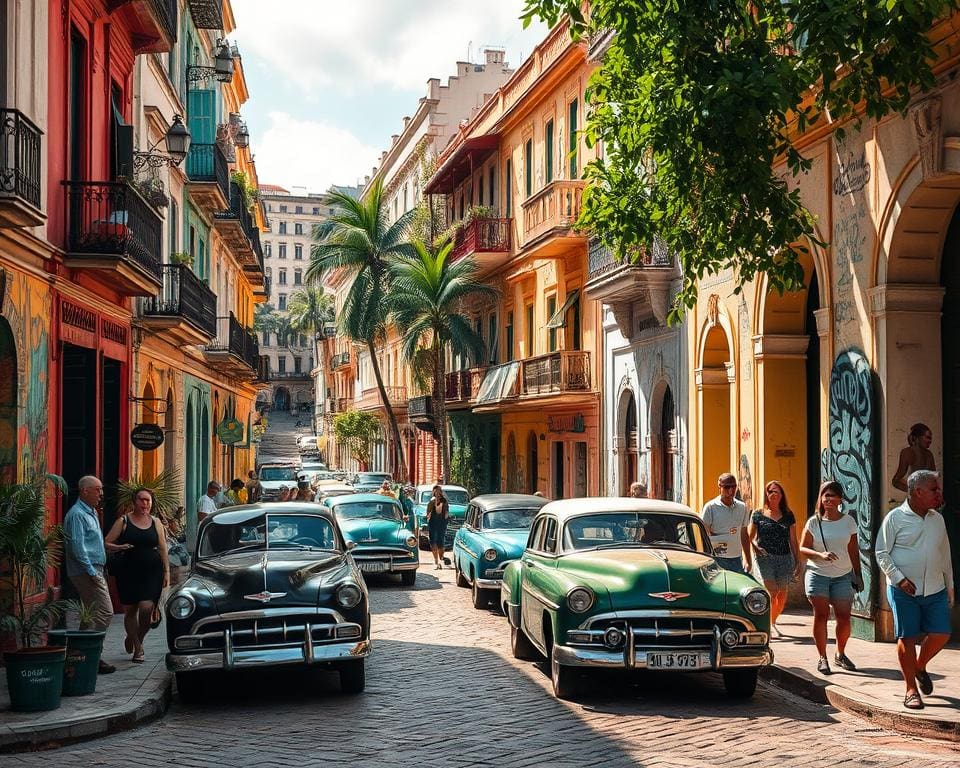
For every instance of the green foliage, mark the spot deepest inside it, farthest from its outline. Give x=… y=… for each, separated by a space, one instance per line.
x=167 y=497
x=28 y=552
x=357 y=430
x=697 y=104
x=248 y=191
x=264 y=318
x=309 y=308
x=463 y=468
x=473 y=212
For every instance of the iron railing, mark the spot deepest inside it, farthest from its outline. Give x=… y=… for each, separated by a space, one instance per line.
x=601 y=260
x=240 y=342
x=19 y=157
x=463 y=385
x=567 y=371
x=342 y=358
x=420 y=407
x=166 y=12
x=185 y=295
x=254 y=235
x=110 y=218
x=207 y=163
x=207 y=14
x=483 y=236
x=237 y=210
x=305 y=375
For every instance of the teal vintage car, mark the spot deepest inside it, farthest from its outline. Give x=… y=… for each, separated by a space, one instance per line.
x=383 y=540
x=458 y=497
x=631 y=584
x=494 y=532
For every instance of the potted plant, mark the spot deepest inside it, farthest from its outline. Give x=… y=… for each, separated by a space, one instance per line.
x=182 y=257
x=28 y=552
x=84 y=647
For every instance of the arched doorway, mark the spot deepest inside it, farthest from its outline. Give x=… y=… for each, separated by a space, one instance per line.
x=714 y=404
x=629 y=442
x=8 y=403
x=950 y=355
x=667 y=446
x=169 y=434
x=513 y=469
x=281 y=399
x=149 y=460
x=532 y=463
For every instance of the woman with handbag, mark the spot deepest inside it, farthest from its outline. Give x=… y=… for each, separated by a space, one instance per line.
x=772 y=533
x=829 y=547
x=138 y=541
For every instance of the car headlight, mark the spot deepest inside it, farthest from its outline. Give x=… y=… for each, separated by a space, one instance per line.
x=580 y=600
x=490 y=554
x=181 y=607
x=348 y=595
x=756 y=601
x=411 y=541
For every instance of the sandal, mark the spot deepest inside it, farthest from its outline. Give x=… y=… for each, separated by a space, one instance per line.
x=138 y=657
x=913 y=701
x=128 y=644
x=924 y=681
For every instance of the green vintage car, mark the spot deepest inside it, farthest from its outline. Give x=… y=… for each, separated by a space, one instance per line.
x=381 y=534
x=631 y=584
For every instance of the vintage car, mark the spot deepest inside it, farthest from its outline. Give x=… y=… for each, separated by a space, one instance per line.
x=494 y=532
x=326 y=489
x=384 y=538
x=270 y=584
x=631 y=584
x=458 y=497
x=275 y=475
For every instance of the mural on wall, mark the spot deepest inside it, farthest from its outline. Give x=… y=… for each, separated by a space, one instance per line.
x=850 y=458
x=745 y=481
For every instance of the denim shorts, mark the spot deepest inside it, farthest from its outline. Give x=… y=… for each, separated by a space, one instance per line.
x=839 y=589
x=914 y=615
x=730 y=564
x=776 y=568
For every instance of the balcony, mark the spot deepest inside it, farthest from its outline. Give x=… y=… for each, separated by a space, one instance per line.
x=488 y=240
x=370 y=399
x=461 y=387
x=186 y=308
x=290 y=376
x=153 y=23
x=635 y=290
x=263 y=370
x=339 y=360
x=209 y=177
x=549 y=216
x=339 y=404
x=207 y=14
x=420 y=413
x=329 y=330
x=564 y=375
x=112 y=230
x=235 y=349
x=236 y=227
x=19 y=171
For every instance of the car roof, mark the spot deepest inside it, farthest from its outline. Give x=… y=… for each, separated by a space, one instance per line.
x=429 y=487
x=567 y=508
x=488 y=501
x=244 y=512
x=359 y=497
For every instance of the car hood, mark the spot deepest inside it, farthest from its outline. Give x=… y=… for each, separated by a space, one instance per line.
x=295 y=578
x=510 y=543
x=368 y=531
x=651 y=578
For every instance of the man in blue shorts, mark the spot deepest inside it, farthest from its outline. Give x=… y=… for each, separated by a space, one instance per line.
x=914 y=553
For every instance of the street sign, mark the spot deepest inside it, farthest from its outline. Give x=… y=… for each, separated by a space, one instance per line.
x=230 y=431
x=146 y=437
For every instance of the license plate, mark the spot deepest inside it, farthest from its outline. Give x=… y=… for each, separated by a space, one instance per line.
x=373 y=567
x=673 y=661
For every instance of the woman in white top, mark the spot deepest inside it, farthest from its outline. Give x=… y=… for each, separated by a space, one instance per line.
x=829 y=548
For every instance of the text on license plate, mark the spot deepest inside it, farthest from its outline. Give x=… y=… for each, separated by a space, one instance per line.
x=373 y=567
x=675 y=661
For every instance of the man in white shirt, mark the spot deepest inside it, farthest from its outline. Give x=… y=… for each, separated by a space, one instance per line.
x=726 y=520
x=913 y=551
x=206 y=504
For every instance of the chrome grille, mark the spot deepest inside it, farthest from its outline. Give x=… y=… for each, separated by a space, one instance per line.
x=270 y=630
x=667 y=632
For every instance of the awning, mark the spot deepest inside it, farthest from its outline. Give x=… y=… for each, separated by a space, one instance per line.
x=559 y=319
x=461 y=163
x=498 y=382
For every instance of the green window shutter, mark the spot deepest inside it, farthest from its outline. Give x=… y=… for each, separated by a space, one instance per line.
x=202 y=111
x=572 y=129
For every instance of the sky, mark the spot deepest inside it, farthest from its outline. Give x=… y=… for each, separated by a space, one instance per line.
x=329 y=88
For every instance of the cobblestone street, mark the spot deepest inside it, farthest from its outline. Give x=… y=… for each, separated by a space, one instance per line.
x=443 y=690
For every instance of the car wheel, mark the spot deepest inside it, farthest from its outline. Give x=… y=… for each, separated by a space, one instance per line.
x=520 y=645
x=353 y=677
x=481 y=597
x=461 y=579
x=565 y=679
x=740 y=683
x=408 y=578
x=191 y=686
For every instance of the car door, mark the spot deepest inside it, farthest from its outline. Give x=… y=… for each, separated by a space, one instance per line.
x=537 y=564
x=465 y=541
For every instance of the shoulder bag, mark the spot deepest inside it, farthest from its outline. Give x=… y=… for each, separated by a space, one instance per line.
x=116 y=560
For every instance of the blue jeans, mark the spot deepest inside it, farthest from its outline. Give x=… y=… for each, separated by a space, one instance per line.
x=734 y=564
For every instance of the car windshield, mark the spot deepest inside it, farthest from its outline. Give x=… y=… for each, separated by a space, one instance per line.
x=508 y=519
x=454 y=496
x=372 y=477
x=278 y=473
x=266 y=532
x=611 y=529
x=355 y=509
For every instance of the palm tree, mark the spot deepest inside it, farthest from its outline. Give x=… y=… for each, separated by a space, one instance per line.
x=309 y=309
x=426 y=294
x=360 y=240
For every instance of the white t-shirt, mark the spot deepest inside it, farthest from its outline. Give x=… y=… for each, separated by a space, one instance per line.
x=206 y=505
x=725 y=522
x=837 y=533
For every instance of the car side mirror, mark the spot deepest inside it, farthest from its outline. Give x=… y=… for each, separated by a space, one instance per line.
x=351 y=545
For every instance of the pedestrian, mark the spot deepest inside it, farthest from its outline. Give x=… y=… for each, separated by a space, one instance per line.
x=726 y=520
x=438 y=515
x=407 y=496
x=86 y=557
x=386 y=490
x=832 y=558
x=237 y=493
x=771 y=531
x=283 y=494
x=915 y=456
x=221 y=498
x=638 y=490
x=913 y=551
x=206 y=504
x=254 y=489
x=141 y=546
x=304 y=492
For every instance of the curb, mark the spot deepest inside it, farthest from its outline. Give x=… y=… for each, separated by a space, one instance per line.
x=151 y=702
x=822 y=692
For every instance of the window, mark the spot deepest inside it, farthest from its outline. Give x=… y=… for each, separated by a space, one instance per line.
x=298 y=228
x=572 y=130
x=330 y=211
x=405 y=192
x=508 y=189
x=268 y=273
x=297 y=364
x=298 y=209
x=283 y=227
x=461 y=206
x=528 y=167
x=282 y=277
x=283 y=209
x=266 y=338
x=480 y=185
x=282 y=363
x=548 y=140
x=316 y=211
x=268 y=250
x=174 y=227
x=298 y=252
x=282 y=251
x=269 y=207
x=492 y=338
x=508 y=342
x=552 y=332
x=302 y=340
x=529 y=330
x=492 y=185
x=282 y=301
x=298 y=277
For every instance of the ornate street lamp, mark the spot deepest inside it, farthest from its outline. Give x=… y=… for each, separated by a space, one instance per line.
x=177 y=142
x=222 y=69
x=242 y=139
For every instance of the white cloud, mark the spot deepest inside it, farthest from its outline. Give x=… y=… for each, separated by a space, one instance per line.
x=309 y=154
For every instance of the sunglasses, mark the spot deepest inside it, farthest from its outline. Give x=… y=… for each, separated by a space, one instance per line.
x=728 y=485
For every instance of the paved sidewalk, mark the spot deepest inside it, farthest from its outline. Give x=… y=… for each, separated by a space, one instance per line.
x=875 y=691
x=130 y=696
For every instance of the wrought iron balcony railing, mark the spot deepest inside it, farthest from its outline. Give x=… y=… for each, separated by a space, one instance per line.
x=567 y=371
x=555 y=206
x=19 y=165
x=207 y=14
x=238 y=341
x=184 y=295
x=600 y=259
x=420 y=408
x=483 y=236
x=340 y=359
x=207 y=163
x=463 y=386
x=370 y=398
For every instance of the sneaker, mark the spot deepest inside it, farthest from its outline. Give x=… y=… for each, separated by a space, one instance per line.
x=924 y=682
x=823 y=666
x=843 y=662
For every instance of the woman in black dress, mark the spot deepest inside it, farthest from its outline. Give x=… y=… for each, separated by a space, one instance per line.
x=140 y=542
x=771 y=530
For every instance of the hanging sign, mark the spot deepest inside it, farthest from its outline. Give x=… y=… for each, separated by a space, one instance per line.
x=146 y=437
x=566 y=423
x=230 y=431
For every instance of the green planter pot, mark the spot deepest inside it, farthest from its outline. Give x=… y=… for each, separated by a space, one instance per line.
x=83 y=658
x=35 y=678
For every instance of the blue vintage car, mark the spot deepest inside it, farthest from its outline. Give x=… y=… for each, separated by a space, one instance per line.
x=458 y=497
x=494 y=532
x=383 y=539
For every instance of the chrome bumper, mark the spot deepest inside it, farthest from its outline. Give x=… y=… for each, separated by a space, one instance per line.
x=636 y=658
x=390 y=565
x=489 y=583
x=231 y=658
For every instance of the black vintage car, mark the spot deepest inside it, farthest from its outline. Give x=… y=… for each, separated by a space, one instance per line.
x=271 y=584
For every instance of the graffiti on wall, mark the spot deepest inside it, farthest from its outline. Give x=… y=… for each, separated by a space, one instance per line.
x=745 y=481
x=849 y=459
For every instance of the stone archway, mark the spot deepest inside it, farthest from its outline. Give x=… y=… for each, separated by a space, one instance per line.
x=664 y=444
x=715 y=381
x=628 y=441
x=281 y=399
